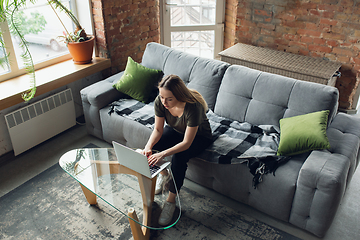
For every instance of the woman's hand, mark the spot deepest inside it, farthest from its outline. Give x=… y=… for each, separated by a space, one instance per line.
x=147 y=152
x=155 y=158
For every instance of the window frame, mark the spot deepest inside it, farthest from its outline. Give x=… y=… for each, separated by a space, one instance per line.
x=80 y=8
x=217 y=27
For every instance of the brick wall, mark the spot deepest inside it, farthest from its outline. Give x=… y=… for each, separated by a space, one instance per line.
x=231 y=7
x=320 y=28
x=123 y=28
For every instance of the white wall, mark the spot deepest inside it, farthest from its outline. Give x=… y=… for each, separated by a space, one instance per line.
x=5 y=142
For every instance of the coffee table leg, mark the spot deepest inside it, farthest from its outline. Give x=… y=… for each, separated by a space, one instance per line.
x=136 y=229
x=147 y=188
x=90 y=196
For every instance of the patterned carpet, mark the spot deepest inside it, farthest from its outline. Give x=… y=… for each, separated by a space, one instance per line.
x=52 y=206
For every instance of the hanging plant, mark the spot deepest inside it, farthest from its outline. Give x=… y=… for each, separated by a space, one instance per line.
x=9 y=12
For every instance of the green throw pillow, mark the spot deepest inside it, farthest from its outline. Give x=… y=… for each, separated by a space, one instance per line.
x=138 y=81
x=303 y=133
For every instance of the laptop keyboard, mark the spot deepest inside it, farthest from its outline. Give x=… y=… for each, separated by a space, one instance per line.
x=153 y=169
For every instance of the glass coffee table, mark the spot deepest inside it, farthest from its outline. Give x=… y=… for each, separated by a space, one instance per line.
x=101 y=176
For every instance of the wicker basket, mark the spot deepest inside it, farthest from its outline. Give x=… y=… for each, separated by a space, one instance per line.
x=282 y=63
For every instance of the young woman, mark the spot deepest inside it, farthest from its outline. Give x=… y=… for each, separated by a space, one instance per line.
x=186 y=134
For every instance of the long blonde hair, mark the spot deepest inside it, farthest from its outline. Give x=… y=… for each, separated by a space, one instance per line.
x=181 y=92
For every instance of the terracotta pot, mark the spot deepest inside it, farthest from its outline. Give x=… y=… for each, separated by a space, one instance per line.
x=82 y=52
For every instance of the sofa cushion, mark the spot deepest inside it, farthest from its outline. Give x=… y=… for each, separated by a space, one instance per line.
x=138 y=81
x=273 y=196
x=269 y=99
x=206 y=77
x=236 y=91
x=123 y=130
x=180 y=64
x=303 y=133
x=265 y=98
x=155 y=55
x=307 y=97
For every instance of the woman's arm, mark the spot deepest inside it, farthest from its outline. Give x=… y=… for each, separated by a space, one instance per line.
x=189 y=137
x=155 y=135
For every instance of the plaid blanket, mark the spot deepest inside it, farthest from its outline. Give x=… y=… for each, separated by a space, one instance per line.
x=233 y=142
x=134 y=110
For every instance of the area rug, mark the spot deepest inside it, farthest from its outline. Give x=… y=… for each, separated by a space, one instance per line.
x=52 y=206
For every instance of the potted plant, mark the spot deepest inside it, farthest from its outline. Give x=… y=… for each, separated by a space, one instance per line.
x=80 y=45
x=80 y=48
x=8 y=10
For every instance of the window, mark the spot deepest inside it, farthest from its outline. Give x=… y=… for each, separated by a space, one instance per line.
x=5 y=66
x=41 y=28
x=193 y=26
x=200 y=43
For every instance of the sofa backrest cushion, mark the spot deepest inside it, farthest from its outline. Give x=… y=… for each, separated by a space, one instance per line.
x=201 y=74
x=249 y=95
x=179 y=63
x=206 y=77
x=155 y=55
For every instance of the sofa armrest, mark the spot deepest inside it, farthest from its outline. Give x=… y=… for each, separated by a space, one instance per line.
x=324 y=176
x=320 y=186
x=344 y=137
x=100 y=94
x=94 y=98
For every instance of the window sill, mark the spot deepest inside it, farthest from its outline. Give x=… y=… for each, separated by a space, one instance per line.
x=48 y=79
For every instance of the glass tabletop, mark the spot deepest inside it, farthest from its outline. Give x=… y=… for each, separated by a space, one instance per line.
x=98 y=170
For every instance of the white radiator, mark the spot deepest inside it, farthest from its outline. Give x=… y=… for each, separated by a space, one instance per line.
x=40 y=121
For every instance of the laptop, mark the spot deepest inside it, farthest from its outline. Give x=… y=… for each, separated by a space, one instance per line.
x=137 y=161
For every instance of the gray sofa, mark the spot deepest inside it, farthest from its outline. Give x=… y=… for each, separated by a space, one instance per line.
x=306 y=191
